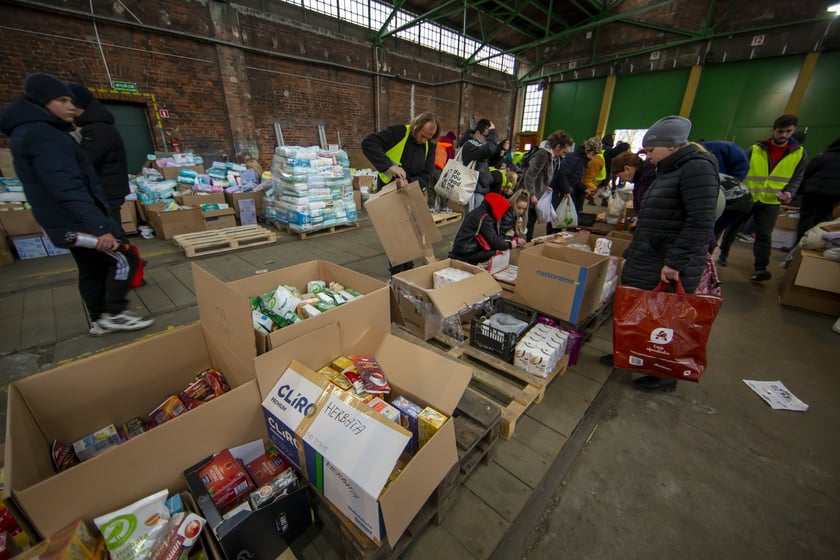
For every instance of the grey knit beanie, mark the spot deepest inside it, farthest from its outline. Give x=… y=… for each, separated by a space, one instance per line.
x=667 y=131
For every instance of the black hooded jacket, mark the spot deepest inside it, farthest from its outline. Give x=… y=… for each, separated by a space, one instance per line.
x=59 y=181
x=105 y=149
x=822 y=175
x=675 y=221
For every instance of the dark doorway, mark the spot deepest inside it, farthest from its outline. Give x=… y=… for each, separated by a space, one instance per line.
x=133 y=123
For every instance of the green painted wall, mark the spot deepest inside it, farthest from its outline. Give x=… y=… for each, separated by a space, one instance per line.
x=739 y=101
x=574 y=107
x=820 y=109
x=642 y=99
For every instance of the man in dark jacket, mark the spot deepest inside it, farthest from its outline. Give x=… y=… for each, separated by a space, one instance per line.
x=104 y=147
x=676 y=220
x=479 y=147
x=403 y=154
x=66 y=198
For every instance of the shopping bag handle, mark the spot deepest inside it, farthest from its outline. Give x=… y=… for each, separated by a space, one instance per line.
x=663 y=285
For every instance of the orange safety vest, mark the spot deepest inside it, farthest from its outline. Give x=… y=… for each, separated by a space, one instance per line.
x=440 y=153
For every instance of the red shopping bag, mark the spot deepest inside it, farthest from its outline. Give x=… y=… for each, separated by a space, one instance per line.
x=137 y=279
x=662 y=333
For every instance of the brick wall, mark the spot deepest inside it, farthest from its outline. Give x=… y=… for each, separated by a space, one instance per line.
x=225 y=75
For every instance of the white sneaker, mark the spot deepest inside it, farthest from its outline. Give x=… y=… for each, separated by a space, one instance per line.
x=125 y=321
x=98 y=330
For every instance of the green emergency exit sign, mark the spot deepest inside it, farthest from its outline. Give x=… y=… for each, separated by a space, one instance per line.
x=128 y=87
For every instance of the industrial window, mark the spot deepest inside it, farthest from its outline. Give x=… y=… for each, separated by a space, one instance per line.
x=373 y=15
x=532 y=108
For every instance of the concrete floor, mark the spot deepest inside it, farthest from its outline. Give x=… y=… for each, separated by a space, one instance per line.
x=709 y=471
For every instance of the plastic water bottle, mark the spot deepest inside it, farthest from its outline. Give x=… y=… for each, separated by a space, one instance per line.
x=80 y=239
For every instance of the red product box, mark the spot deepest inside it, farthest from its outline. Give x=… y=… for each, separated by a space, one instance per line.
x=226 y=481
x=267 y=467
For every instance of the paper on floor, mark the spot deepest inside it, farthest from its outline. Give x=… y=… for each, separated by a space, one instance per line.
x=777 y=395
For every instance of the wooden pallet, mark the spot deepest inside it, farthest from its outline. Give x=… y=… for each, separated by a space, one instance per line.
x=351 y=544
x=445 y=218
x=318 y=232
x=221 y=240
x=513 y=389
x=477 y=424
x=588 y=326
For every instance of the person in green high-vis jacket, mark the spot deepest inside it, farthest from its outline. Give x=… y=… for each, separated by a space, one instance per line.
x=404 y=153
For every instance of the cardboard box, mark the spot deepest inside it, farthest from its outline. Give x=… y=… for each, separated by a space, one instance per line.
x=219 y=219
x=128 y=216
x=812 y=282
x=6 y=256
x=75 y=399
x=173 y=172
x=562 y=282
x=233 y=199
x=421 y=308
x=347 y=476
x=29 y=246
x=18 y=220
x=787 y=220
x=52 y=250
x=783 y=238
x=196 y=200
x=226 y=307
x=360 y=181
x=259 y=535
x=403 y=223
x=169 y=224
x=357 y=198
x=7 y=167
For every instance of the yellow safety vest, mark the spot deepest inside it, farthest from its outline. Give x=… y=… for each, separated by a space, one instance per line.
x=764 y=183
x=505 y=181
x=395 y=154
x=602 y=174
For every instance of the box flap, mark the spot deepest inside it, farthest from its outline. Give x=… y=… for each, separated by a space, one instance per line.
x=403 y=223
x=452 y=298
x=226 y=318
x=404 y=498
x=819 y=273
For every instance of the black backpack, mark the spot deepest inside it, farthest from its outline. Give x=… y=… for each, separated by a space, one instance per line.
x=526 y=159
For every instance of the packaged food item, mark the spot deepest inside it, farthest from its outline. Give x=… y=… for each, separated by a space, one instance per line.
x=225 y=480
x=409 y=414
x=181 y=534
x=167 y=410
x=371 y=373
x=93 y=444
x=216 y=380
x=336 y=378
x=62 y=455
x=261 y=321
x=131 y=532
x=133 y=427
x=268 y=466
x=385 y=409
x=428 y=423
x=267 y=493
x=347 y=368
x=315 y=286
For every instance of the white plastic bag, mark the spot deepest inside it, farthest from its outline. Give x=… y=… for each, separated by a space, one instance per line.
x=615 y=209
x=545 y=211
x=457 y=181
x=566 y=214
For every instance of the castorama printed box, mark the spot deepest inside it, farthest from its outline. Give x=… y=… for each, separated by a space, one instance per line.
x=560 y=281
x=346 y=450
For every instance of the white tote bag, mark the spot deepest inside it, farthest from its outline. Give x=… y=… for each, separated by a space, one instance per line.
x=545 y=210
x=566 y=214
x=457 y=181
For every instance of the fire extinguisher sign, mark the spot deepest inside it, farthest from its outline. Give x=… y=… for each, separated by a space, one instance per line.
x=164 y=113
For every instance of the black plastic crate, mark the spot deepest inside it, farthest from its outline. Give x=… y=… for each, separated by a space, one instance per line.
x=494 y=341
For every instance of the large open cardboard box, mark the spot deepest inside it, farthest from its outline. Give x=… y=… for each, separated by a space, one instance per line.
x=812 y=282
x=234 y=199
x=403 y=223
x=340 y=463
x=169 y=224
x=421 y=308
x=225 y=307
x=76 y=399
x=17 y=220
x=559 y=281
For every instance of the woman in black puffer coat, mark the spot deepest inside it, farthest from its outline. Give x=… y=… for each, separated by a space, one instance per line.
x=820 y=189
x=676 y=218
